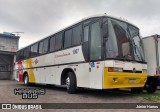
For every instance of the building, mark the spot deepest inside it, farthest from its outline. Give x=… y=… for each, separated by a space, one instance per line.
x=8 y=46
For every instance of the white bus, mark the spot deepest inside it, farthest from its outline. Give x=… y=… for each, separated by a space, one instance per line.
x=99 y=52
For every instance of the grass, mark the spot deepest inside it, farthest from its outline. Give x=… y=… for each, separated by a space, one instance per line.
x=155 y=97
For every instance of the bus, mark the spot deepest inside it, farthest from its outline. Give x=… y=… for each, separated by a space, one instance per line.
x=98 y=52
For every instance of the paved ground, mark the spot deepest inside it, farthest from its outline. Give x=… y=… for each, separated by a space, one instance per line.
x=59 y=95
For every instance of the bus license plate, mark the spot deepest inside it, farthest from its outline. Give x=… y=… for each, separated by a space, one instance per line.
x=132 y=80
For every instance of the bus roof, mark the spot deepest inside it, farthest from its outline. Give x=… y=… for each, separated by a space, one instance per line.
x=94 y=16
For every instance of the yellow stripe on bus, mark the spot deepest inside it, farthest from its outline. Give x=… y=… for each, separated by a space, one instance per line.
x=30 y=71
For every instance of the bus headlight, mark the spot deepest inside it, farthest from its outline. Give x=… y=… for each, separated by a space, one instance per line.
x=144 y=71
x=115 y=69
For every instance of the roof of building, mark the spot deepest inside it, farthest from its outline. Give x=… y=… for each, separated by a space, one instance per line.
x=9 y=35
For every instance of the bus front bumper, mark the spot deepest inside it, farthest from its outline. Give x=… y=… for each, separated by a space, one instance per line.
x=123 y=80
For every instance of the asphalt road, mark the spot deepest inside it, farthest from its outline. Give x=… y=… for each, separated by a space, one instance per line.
x=56 y=94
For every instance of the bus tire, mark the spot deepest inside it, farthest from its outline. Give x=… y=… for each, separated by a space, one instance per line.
x=71 y=83
x=26 y=80
x=151 y=84
x=150 y=88
x=136 y=90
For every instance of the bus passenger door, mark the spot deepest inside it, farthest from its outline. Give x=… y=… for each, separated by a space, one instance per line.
x=85 y=45
x=95 y=56
x=84 y=77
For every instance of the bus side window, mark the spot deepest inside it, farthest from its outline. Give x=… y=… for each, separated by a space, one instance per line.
x=58 y=45
x=40 y=48
x=34 y=50
x=67 y=38
x=52 y=44
x=43 y=46
x=18 y=56
x=76 y=40
x=21 y=56
x=26 y=52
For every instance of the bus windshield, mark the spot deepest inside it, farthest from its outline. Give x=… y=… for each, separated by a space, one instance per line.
x=136 y=43
x=123 y=41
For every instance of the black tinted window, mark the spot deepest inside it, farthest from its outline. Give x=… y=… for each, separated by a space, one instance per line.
x=67 y=38
x=77 y=35
x=18 y=56
x=86 y=33
x=26 y=52
x=21 y=54
x=58 y=42
x=52 y=43
x=43 y=46
x=34 y=50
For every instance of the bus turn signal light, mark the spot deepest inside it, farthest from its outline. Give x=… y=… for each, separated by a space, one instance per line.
x=115 y=69
x=144 y=71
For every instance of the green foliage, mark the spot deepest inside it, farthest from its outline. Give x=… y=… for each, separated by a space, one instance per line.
x=155 y=97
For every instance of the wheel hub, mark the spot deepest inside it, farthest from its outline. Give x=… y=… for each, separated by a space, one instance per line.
x=67 y=82
x=26 y=79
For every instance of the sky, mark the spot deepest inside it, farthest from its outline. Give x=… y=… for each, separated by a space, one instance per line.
x=40 y=18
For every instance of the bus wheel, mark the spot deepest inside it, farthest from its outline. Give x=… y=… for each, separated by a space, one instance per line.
x=71 y=83
x=26 y=80
x=150 y=88
x=137 y=90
